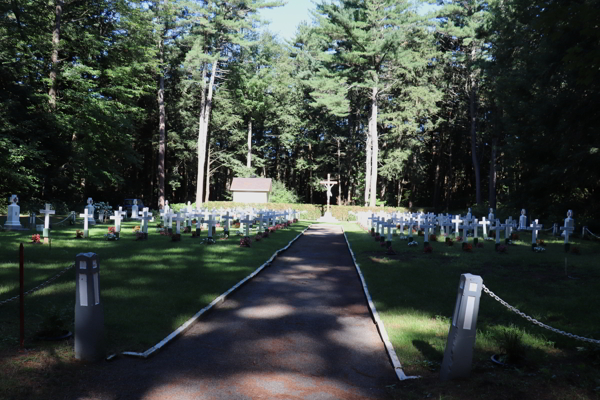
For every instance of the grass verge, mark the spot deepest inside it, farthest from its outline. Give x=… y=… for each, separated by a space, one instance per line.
x=415 y=293
x=148 y=289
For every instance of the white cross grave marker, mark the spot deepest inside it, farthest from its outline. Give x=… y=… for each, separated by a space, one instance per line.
x=85 y=216
x=328 y=184
x=178 y=218
x=535 y=227
x=47 y=211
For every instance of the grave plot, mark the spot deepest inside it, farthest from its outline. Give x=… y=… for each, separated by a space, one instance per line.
x=415 y=293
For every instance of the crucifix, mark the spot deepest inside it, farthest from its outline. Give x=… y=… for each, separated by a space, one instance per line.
x=328 y=184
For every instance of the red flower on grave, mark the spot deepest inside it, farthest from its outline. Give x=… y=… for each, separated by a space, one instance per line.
x=575 y=250
x=35 y=238
x=111 y=229
x=78 y=234
x=467 y=247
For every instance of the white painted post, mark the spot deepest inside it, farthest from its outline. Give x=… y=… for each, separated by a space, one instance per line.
x=458 y=355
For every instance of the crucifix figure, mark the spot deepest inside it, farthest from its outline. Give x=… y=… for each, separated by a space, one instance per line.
x=328 y=184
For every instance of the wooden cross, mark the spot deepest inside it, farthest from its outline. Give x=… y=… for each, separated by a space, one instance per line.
x=85 y=216
x=178 y=219
x=48 y=212
x=145 y=218
x=246 y=223
x=535 y=227
x=328 y=184
x=117 y=217
x=484 y=223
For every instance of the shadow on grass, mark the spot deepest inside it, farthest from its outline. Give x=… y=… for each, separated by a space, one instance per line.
x=299 y=329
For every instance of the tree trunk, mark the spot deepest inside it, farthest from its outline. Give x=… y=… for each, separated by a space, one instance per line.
x=492 y=184
x=339 y=174
x=473 y=112
x=249 y=157
x=207 y=195
x=368 y=169
x=205 y=110
x=54 y=57
x=375 y=144
x=162 y=140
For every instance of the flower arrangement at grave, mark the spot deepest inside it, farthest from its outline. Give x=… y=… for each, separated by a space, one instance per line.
x=433 y=238
x=245 y=242
x=459 y=239
x=111 y=230
x=257 y=237
x=164 y=232
x=265 y=234
x=539 y=249
x=78 y=234
x=136 y=229
x=36 y=239
x=295 y=220
x=141 y=235
x=413 y=243
x=575 y=250
x=176 y=237
x=514 y=236
x=540 y=243
x=111 y=236
x=236 y=224
x=288 y=223
x=502 y=249
x=428 y=249
x=468 y=247
x=272 y=229
x=402 y=237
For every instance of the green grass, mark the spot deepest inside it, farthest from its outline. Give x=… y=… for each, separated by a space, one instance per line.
x=415 y=293
x=148 y=288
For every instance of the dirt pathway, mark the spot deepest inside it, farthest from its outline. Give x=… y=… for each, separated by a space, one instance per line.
x=300 y=330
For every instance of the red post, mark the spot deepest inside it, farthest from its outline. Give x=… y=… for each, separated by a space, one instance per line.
x=22 y=295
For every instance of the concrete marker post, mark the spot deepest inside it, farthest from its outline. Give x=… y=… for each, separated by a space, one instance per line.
x=458 y=355
x=89 y=312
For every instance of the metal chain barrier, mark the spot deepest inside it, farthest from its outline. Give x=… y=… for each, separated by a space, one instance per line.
x=71 y=216
x=588 y=231
x=40 y=286
x=535 y=321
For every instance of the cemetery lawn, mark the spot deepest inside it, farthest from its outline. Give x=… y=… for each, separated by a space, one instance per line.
x=148 y=289
x=415 y=293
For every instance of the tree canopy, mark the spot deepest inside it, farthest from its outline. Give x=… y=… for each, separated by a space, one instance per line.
x=173 y=99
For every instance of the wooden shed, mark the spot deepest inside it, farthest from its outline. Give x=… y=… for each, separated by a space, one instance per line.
x=251 y=190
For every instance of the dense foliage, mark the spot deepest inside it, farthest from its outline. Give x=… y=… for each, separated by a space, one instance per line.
x=479 y=102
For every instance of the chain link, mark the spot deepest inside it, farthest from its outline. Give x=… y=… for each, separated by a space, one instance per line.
x=40 y=286
x=535 y=321
x=591 y=233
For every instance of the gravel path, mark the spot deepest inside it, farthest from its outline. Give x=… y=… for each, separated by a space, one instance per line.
x=300 y=330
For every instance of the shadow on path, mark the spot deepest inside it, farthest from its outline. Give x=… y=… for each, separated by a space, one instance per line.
x=300 y=330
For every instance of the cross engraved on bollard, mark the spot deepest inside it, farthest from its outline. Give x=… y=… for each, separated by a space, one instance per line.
x=458 y=355
x=89 y=314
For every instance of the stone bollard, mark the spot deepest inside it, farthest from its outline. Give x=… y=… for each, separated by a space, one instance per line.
x=89 y=313
x=458 y=355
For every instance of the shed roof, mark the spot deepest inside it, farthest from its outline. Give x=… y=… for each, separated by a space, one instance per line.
x=251 y=185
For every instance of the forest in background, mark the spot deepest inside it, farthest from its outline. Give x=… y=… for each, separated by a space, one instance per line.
x=478 y=103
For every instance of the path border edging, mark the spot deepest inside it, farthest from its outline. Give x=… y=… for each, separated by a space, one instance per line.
x=186 y=325
x=378 y=322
